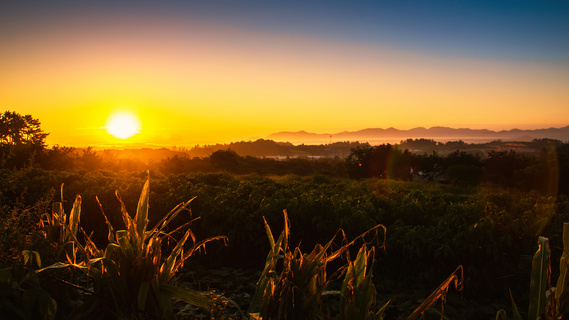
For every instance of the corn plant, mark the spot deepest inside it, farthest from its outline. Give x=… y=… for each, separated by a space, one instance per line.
x=61 y=229
x=292 y=283
x=358 y=294
x=130 y=277
x=546 y=302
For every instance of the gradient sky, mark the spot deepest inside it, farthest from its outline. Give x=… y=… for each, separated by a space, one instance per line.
x=221 y=71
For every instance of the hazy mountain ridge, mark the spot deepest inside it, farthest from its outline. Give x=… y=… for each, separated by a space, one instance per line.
x=306 y=144
x=436 y=133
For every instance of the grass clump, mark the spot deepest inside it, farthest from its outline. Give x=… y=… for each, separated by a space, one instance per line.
x=292 y=284
x=132 y=277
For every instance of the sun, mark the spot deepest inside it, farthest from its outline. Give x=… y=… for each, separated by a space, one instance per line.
x=123 y=125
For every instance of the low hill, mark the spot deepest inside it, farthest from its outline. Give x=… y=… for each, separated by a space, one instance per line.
x=443 y=134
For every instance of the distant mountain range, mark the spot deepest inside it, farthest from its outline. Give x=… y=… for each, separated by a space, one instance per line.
x=441 y=134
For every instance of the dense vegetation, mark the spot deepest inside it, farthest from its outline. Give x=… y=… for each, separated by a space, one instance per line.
x=431 y=228
x=546 y=171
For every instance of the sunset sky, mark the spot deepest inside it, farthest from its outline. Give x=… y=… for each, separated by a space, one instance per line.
x=197 y=72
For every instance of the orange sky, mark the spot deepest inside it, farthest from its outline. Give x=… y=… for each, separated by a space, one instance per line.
x=195 y=82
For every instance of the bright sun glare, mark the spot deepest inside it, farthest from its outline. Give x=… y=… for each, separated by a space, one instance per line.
x=123 y=125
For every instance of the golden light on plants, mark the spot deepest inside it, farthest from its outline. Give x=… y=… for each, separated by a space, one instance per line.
x=123 y=125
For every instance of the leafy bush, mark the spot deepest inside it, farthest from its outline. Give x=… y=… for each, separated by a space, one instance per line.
x=21 y=293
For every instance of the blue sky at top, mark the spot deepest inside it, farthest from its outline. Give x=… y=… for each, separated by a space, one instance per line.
x=515 y=29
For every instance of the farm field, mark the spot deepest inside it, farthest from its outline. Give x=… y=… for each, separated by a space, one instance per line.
x=431 y=229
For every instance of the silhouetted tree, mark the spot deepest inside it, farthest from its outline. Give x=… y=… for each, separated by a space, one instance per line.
x=462 y=168
x=400 y=164
x=379 y=162
x=548 y=171
x=16 y=129
x=58 y=158
x=21 y=140
x=226 y=160
x=428 y=166
x=90 y=160
x=563 y=162
x=503 y=168
x=423 y=145
x=383 y=161
x=462 y=158
x=358 y=161
x=173 y=165
x=463 y=174
x=455 y=145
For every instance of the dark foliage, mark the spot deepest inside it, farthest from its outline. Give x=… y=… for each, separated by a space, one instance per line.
x=545 y=171
x=431 y=227
x=16 y=129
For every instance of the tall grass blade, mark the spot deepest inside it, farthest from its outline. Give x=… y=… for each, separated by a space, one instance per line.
x=110 y=235
x=266 y=283
x=130 y=233
x=269 y=234
x=167 y=269
x=170 y=216
x=201 y=244
x=379 y=313
x=501 y=315
x=74 y=217
x=143 y=294
x=141 y=217
x=61 y=265
x=515 y=311
x=540 y=270
x=57 y=214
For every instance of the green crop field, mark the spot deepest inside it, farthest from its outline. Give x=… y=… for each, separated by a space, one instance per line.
x=430 y=230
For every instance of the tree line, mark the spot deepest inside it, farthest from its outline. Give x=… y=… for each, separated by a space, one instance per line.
x=546 y=171
x=22 y=144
